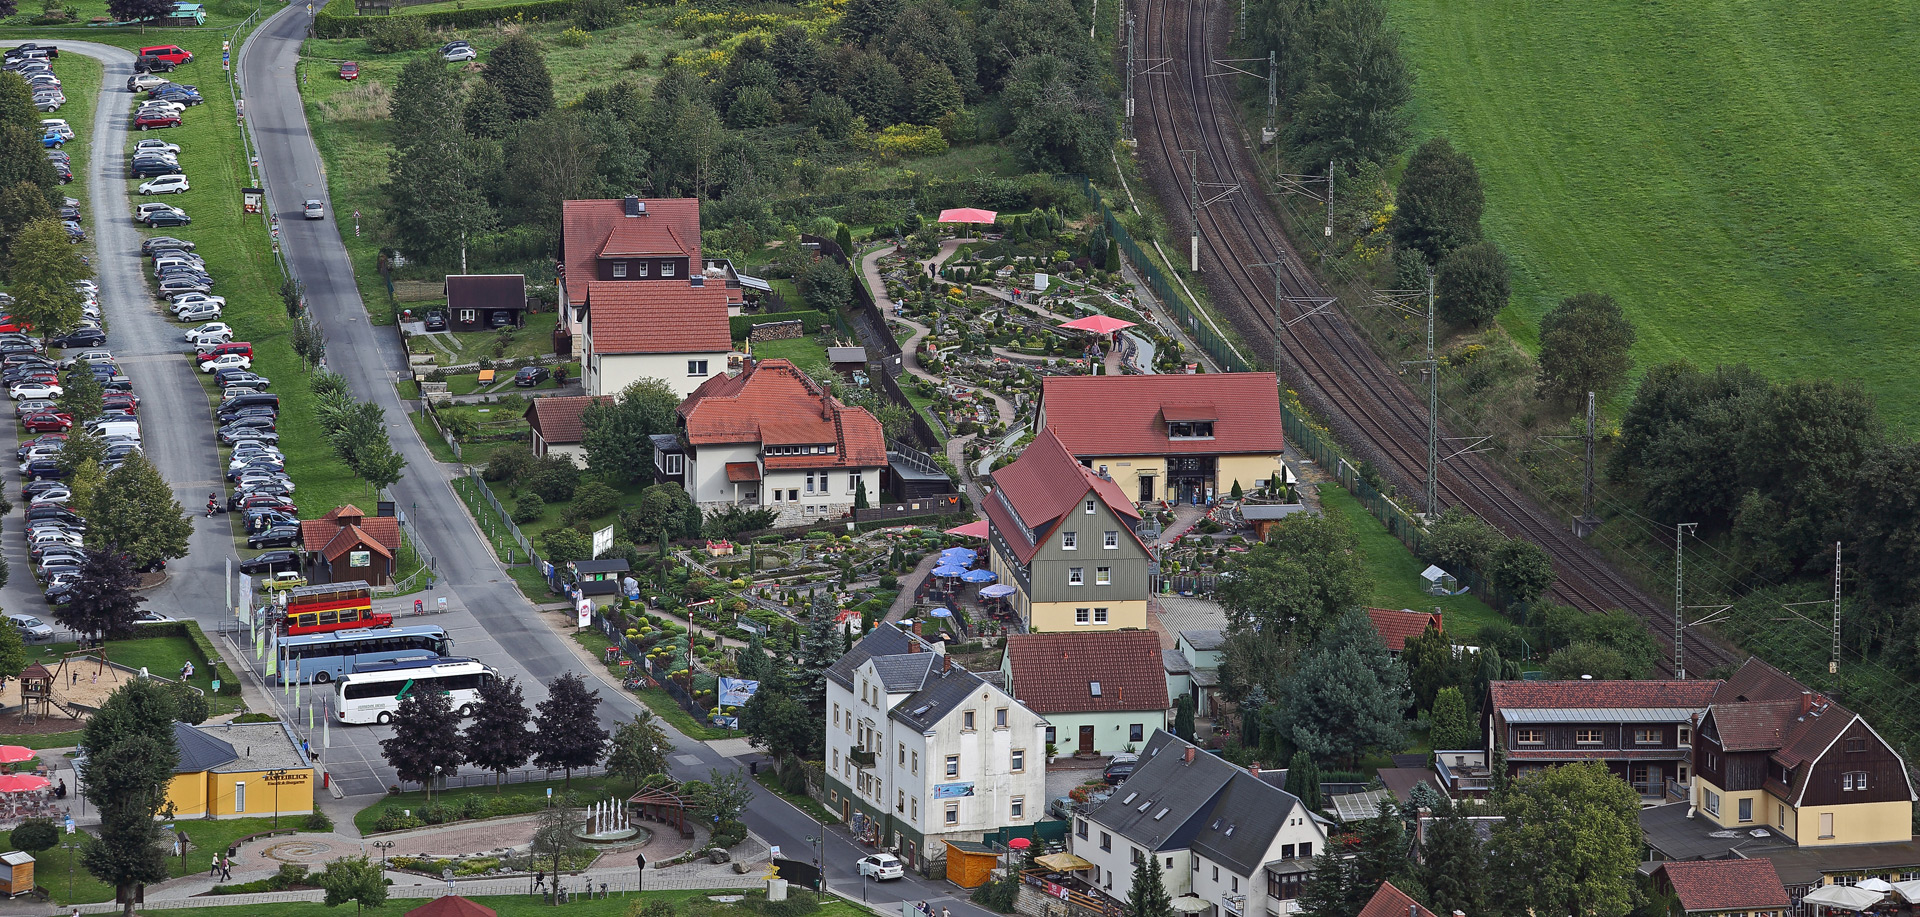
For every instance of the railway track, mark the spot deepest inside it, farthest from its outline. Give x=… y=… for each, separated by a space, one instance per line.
x=1190 y=111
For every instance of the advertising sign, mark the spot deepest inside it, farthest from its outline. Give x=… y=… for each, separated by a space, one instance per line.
x=584 y=607
x=602 y=541
x=359 y=558
x=952 y=790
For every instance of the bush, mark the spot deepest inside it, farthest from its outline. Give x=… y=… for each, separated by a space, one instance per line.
x=319 y=821
x=528 y=508
x=728 y=834
x=396 y=34
x=397 y=820
x=509 y=463
x=639 y=61
x=34 y=835
x=553 y=477
x=595 y=499
x=572 y=38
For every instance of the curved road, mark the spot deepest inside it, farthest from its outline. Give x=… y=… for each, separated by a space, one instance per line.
x=487 y=608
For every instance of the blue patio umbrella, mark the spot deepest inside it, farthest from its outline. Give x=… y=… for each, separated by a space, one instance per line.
x=958 y=555
x=997 y=590
x=941 y=613
x=949 y=570
x=979 y=576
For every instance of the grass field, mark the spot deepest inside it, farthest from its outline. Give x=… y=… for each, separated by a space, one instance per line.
x=54 y=866
x=1737 y=175
x=1396 y=572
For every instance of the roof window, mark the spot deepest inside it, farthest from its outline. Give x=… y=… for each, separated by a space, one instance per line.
x=1094 y=687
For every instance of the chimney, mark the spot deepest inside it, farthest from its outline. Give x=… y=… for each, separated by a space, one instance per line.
x=634 y=208
x=1806 y=702
x=1254 y=770
x=1413 y=910
x=946 y=663
x=913 y=646
x=1187 y=757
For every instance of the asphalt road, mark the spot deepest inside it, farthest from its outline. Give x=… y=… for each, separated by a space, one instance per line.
x=478 y=589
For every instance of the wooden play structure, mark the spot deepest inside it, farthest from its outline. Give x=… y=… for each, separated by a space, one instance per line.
x=69 y=688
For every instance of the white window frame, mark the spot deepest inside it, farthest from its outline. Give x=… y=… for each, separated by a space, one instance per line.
x=1017 y=761
x=1017 y=808
x=953 y=765
x=1082 y=615
x=1076 y=576
x=1111 y=541
x=1103 y=576
x=1099 y=616
x=1090 y=506
x=953 y=813
x=1069 y=541
x=666 y=269
x=620 y=270
x=640 y=269
x=696 y=367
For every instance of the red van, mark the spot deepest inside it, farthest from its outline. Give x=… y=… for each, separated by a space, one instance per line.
x=240 y=347
x=172 y=54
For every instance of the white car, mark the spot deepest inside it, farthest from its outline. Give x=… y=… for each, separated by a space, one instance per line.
x=86 y=286
x=882 y=866
x=172 y=108
x=141 y=212
x=166 y=184
x=226 y=361
x=210 y=328
x=59 y=495
x=58 y=126
x=156 y=146
x=27 y=390
x=141 y=82
x=154 y=617
x=186 y=301
x=198 y=312
x=459 y=54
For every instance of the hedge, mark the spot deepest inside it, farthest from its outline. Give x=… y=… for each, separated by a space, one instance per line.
x=208 y=654
x=810 y=321
x=328 y=24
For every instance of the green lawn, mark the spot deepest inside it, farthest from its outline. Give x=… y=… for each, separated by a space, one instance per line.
x=162 y=656
x=524 y=906
x=805 y=352
x=657 y=699
x=1737 y=175
x=53 y=867
x=529 y=797
x=1396 y=572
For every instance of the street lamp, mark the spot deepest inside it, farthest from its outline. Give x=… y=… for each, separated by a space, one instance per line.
x=73 y=853
x=383 y=847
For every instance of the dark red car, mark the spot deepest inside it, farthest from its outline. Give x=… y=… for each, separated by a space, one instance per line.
x=48 y=422
x=350 y=71
x=124 y=402
x=242 y=348
x=149 y=122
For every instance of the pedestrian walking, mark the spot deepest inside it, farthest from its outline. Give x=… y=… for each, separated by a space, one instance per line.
x=213 y=871
x=226 y=866
x=540 y=879
x=945 y=911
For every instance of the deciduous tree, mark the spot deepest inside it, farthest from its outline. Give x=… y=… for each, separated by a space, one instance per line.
x=722 y=797
x=1472 y=284
x=41 y=270
x=1886 y=520
x=639 y=750
x=1459 y=540
x=775 y=718
x=1308 y=573
x=356 y=879
x=80 y=397
x=1586 y=345
x=138 y=10
x=615 y=436
x=497 y=738
x=1432 y=664
x=1521 y=570
x=426 y=739
x=1569 y=844
x=135 y=509
x=1437 y=206
x=21 y=204
x=131 y=756
x=566 y=731
x=1353 y=107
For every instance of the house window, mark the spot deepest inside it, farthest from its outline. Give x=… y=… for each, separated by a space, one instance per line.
x=466 y=316
x=1686 y=735
x=1110 y=540
x=1216 y=873
x=240 y=796
x=1106 y=842
x=1531 y=737
x=1746 y=809
x=1018 y=764
x=1826 y=825
x=1780 y=813
x=1082 y=615
x=1103 y=576
x=915 y=756
x=953 y=813
x=1136 y=732
x=953 y=765
x=1080 y=828
x=619 y=269
x=666 y=269
x=1713 y=802
x=809 y=482
x=1017 y=808
x=1049 y=735
x=793 y=495
x=966 y=720
x=1853 y=780
x=1099 y=616
x=1000 y=718
x=1235 y=881
x=696 y=367
x=1286 y=851
x=1646 y=737
x=1586 y=736
x=1069 y=541
x=836 y=759
x=1856 y=745
x=1090 y=505
x=901 y=805
x=853 y=481
x=836 y=714
x=640 y=269
x=1076 y=576
x=903 y=754
x=672 y=463
x=913 y=808
x=1138 y=857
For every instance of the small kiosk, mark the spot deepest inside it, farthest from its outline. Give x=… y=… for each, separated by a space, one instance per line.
x=16 y=870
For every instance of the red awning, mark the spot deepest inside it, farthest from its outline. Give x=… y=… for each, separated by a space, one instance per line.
x=968 y=215
x=1183 y=412
x=742 y=472
x=970 y=530
x=1098 y=324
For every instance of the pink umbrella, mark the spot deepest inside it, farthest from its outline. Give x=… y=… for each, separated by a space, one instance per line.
x=970 y=530
x=967 y=215
x=14 y=754
x=22 y=783
x=1098 y=324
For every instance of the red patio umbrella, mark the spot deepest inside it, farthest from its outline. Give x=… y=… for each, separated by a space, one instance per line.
x=22 y=783
x=1098 y=324
x=970 y=530
x=14 y=754
x=967 y=215
x=451 y=906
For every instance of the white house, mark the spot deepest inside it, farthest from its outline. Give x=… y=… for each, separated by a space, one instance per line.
x=1230 y=837
x=675 y=332
x=919 y=750
x=771 y=436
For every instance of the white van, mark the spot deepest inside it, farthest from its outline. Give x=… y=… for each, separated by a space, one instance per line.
x=128 y=429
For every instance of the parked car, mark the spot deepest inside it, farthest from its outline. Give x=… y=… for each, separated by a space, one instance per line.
x=47 y=422
x=57 y=126
x=225 y=361
x=35 y=390
x=198 y=312
x=150 y=166
x=435 y=320
x=181 y=302
x=168 y=218
x=279 y=536
x=269 y=562
x=154 y=145
x=173 y=54
x=30 y=627
x=460 y=54
x=80 y=337
x=148 y=63
x=349 y=70
x=1120 y=768
x=210 y=328
x=155 y=244
x=529 y=376
x=165 y=184
x=86 y=356
x=141 y=82
x=882 y=866
x=148 y=122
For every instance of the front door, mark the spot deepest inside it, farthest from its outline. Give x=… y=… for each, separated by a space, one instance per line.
x=1146 y=489
x=1086 y=740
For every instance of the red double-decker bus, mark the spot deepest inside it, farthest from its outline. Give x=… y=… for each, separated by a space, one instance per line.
x=331 y=607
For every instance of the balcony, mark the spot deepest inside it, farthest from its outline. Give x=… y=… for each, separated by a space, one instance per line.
x=862 y=758
x=1234 y=904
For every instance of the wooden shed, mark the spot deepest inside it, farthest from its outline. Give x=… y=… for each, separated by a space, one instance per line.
x=16 y=869
x=970 y=864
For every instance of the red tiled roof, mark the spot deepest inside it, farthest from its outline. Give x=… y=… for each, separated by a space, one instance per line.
x=350 y=537
x=1128 y=415
x=586 y=226
x=1392 y=902
x=1397 y=625
x=1053 y=673
x=741 y=472
x=775 y=395
x=317 y=534
x=1602 y=695
x=1042 y=485
x=660 y=317
x=1726 y=885
x=644 y=236
x=486 y=292
x=1756 y=726
x=558 y=419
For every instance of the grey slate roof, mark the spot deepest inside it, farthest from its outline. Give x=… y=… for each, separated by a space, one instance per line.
x=946 y=689
x=903 y=674
x=1175 y=663
x=884 y=640
x=1164 y=780
x=1241 y=823
x=1205 y=640
x=199 y=751
x=610 y=565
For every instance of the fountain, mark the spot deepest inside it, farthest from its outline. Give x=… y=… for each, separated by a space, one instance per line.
x=608 y=822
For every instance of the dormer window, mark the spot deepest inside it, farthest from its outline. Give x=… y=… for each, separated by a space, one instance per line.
x=640 y=269
x=666 y=269
x=619 y=269
x=1190 y=429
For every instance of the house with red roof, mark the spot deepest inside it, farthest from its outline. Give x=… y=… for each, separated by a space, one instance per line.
x=1398 y=625
x=1723 y=888
x=347 y=544
x=1641 y=730
x=556 y=424
x=1066 y=538
x=1771 y=753
x=648 y=242
x=1178 y=438
x=1390 y=901
x=770 y=436
x=1102 y=692
x=675 y=332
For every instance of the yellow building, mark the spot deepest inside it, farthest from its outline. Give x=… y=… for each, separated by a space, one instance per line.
x=240 y=771
x=1176 y=438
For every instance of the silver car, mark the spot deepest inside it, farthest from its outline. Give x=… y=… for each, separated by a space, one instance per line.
x=30 y=627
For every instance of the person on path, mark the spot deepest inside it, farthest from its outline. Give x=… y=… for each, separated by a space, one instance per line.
x=213 y=871
x=540 y=879
x=226 y=866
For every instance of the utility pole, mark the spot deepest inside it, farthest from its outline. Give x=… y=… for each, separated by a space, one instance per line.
x=1433 y=390
x=1833 y=665
x=1129 y=121
x=1273 y=96
x=1585 y=523
x=1193 y=176
x=1327 y=234
x=1243 y=20
x=1680 y=530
